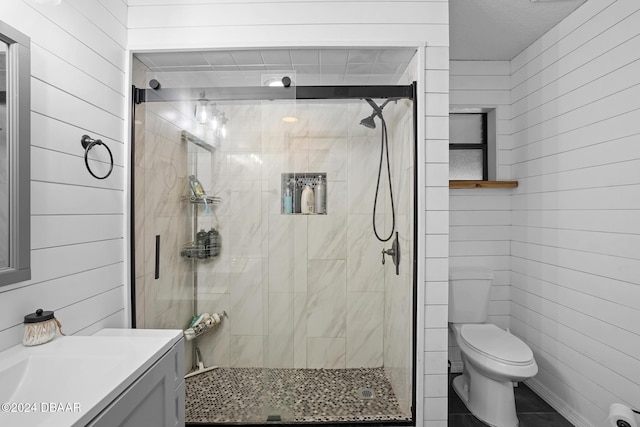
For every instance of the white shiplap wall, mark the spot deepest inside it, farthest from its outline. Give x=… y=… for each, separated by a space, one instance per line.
x=209 y=24
x=575 y=234
x=480 y=219
x=78 y=86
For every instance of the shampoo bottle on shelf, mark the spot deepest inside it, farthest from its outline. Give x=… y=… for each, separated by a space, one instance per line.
x=213 y=243
x=307 y=201
x=201 y=243
x=320 y=196
x=297 y=197
x=288 y=200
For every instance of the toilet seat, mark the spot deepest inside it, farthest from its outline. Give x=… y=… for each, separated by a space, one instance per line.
x=497 y=344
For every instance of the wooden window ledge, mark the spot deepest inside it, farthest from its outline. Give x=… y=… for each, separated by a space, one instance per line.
x=483 y=184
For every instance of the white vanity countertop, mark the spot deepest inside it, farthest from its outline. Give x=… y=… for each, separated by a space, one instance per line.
x=70 y=380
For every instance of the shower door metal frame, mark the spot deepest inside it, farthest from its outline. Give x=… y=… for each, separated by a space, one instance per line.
x=257 y=93
x=302 y=93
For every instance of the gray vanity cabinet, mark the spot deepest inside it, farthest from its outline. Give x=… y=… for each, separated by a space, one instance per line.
x=155 y=399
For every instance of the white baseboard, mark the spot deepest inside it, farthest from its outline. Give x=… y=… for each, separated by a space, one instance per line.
x=556 y=403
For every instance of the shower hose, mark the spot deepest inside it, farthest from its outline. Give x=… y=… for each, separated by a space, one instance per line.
x=384 y=147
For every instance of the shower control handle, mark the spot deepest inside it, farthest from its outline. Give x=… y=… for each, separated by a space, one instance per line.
x=385 y=252
x=394 y=253
x=389 y=252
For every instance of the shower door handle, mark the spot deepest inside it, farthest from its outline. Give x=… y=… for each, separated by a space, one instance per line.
x=156 y=274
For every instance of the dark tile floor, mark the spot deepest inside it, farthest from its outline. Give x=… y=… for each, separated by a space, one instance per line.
x=532 y=411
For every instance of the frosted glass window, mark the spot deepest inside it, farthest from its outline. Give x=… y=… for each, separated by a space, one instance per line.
x=465 y=129
x=465 y=164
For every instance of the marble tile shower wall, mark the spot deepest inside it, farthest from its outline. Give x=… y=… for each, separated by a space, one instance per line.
x=301 y=291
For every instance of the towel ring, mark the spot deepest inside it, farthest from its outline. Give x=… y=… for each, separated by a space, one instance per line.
x=88 y=143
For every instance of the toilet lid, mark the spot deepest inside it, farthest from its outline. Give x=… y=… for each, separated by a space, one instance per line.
x=496 y=343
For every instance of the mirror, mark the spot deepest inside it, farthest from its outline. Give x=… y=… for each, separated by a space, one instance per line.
x=15 y=145
x=4 y=182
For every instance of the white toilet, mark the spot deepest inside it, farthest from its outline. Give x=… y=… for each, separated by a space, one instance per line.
x=492 y=357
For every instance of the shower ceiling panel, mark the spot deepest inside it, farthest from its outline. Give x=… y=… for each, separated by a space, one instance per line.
x=380 y=66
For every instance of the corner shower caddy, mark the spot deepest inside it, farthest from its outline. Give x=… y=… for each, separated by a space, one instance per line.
x=191 y=250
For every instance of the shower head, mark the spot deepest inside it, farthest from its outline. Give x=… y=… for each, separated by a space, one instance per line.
x=377 y=111
x=369 y=122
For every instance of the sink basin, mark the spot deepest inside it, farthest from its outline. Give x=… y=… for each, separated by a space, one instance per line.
x=70 y=380
x=52 y=386
x=31 y=378
x=10 y=378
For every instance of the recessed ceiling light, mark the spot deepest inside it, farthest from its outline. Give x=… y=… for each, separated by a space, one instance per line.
x=289 y=119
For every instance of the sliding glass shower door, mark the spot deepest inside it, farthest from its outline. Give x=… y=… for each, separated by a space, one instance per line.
x=313 y=327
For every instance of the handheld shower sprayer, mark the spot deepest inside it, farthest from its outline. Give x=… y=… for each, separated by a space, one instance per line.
x=377 y=111
x=384 y=146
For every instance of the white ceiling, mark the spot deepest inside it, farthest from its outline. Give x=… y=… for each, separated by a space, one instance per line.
x=501 y=29
x=305 y=66
x=479 y=30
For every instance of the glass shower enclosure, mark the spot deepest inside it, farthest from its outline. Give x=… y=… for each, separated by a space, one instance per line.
x=312 y=326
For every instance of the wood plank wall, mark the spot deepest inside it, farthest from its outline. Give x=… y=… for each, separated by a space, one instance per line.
x=78 y=86
x=480 y=219
x=575 y=235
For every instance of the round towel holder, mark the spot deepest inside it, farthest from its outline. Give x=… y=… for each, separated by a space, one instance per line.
x=88 y=143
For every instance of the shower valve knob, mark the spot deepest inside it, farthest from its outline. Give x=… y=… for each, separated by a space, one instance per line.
x=394 y=253
x=391 y=252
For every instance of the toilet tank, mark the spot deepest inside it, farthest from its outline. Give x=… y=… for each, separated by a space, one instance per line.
x=469 y=289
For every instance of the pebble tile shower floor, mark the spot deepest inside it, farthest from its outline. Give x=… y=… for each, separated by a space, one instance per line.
x=250 y=395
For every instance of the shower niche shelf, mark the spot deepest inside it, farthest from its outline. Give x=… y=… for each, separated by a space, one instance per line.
x=296 y=182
